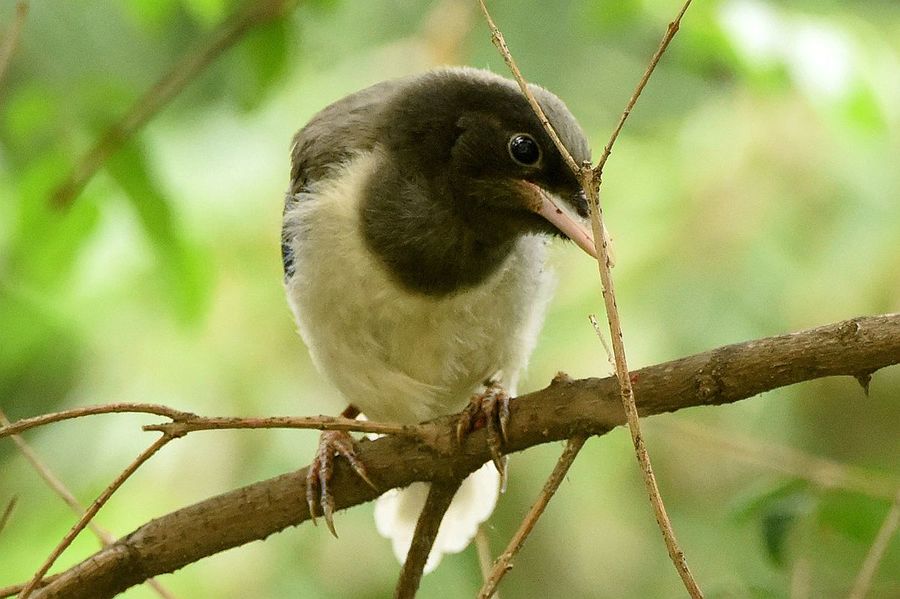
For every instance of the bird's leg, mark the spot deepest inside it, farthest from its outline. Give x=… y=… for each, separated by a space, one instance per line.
x=489 y=408
x=318 y=476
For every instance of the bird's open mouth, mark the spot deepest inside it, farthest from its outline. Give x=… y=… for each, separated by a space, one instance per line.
x=561 y=216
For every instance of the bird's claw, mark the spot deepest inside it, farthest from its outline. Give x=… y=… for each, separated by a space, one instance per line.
x=490 y=409
x=318 y=476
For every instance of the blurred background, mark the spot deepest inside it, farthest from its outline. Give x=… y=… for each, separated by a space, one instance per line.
x=755 y=191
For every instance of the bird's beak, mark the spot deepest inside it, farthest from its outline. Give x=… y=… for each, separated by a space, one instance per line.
x=560 y=216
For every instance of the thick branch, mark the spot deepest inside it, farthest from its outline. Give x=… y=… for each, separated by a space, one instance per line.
x=728 y=374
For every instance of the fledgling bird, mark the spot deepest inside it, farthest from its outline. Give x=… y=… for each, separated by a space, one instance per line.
x=414 y=242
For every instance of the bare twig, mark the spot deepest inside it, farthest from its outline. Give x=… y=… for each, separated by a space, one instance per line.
x=326 y=423
x=663 y=45
x=105 y=537
x=114 y=408
x=11 y=39
x=7 y=511
x=186 y=422
x=92 y=511
x=483 y=549
x=876 y=551
x=170 y=85
x=500 y=43
x=609 y=353
x=503 y=563
x=439 y=497
x=590 y=179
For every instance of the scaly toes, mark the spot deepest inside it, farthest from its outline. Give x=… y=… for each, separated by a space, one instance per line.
x=491 y=406
x=318 y=477
x=496 y=410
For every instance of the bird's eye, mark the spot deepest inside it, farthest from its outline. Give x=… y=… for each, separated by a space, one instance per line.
x=524 y=149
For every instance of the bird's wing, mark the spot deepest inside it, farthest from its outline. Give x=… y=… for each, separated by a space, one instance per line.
x=332 y=137
x=337 y=132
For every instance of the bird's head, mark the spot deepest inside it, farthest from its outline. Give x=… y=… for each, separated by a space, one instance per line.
x=482 y=149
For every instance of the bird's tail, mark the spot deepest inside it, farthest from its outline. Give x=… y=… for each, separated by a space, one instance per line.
x=397 y=511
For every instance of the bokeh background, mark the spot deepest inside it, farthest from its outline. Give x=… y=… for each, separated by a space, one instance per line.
x=755 y=191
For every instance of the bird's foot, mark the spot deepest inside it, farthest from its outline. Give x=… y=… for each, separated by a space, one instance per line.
x=490 y=409
x=318 y=476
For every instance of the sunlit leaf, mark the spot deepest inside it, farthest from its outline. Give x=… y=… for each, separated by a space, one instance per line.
x=862 y=111
x=184 y=272
x=46 y=241
x=207 y=12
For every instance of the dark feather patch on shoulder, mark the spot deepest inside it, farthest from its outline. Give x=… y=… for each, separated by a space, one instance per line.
x=287 y=250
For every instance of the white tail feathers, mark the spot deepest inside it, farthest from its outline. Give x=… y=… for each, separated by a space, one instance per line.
x=397 y=511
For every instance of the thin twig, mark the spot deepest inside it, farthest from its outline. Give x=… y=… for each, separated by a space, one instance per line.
x=609 y=353
x=500 y=43
x=876 y=551
x=483 y=549
x=7 y=511
x=58 y=487
x=168 y=87
x=671 y=30
x=440 y=494
x=591 y=181
x=92 y=511
x=503 y=563
x=113 y=408
x=11 y=40
x=325 y=423
x=186 y=422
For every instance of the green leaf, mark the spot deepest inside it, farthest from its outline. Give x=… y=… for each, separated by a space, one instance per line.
x=777 y=510
x=29 y=116
x=46 y=241
x=207 y=12
x=260 y=61
x=38 y=353
x=150 y=14
x=182 y=265
x=862 y=111
x=854 y=515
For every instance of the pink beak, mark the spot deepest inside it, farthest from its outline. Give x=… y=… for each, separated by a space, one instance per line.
x=546 y=205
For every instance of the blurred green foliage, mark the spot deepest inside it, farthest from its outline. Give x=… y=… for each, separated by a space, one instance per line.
x=756 y=190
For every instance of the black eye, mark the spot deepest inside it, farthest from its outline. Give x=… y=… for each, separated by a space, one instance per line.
x=524 y=149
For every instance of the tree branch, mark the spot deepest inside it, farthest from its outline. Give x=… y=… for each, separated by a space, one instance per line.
x=564 y=409
x=439 y=497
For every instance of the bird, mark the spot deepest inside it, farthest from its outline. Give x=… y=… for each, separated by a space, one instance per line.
x=414 y=242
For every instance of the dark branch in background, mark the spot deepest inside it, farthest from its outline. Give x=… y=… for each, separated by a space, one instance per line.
x=563 y=410
x=253 y=14
x=7 y=511
x=11 y=37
